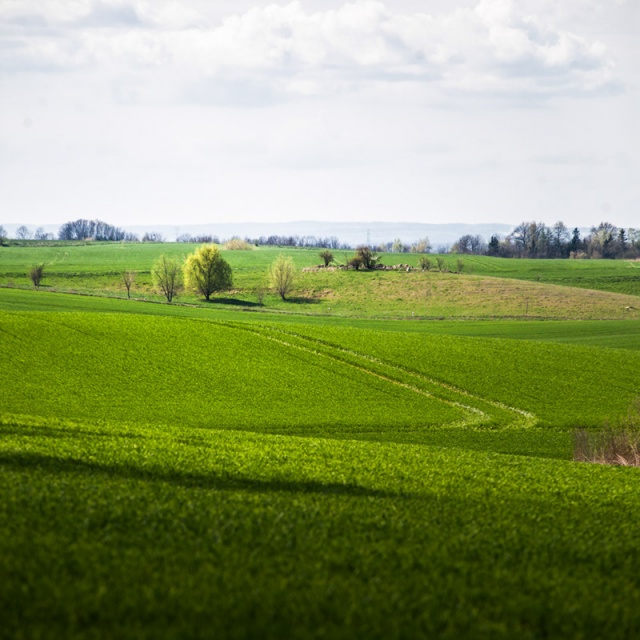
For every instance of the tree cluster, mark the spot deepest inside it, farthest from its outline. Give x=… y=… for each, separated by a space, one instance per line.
x=537 y=240
x=82 y=229
x=331 y=242
x=397 y=246
x=152 y=236
x=201 y=239
x=204 y=272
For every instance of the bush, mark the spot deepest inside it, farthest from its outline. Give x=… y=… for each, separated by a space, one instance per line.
x=618 y=445
x=238 y=244
x=36 y=273
x=327 y=257
x=424 y=263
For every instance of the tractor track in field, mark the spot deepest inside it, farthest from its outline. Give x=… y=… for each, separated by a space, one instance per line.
x=337 y=353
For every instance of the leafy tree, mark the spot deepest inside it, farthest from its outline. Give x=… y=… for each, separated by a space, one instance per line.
x=622 y=241
x=36 y=273
x=368 y=258
x=206 y=271
x=327 y=257
x=167 y=277
x=575 y=242
x=282 y=275
x=494 y=246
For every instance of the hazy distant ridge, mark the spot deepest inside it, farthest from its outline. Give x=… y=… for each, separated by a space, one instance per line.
x=349 y=232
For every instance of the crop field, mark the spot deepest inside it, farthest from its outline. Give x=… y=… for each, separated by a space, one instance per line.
x=340 y=465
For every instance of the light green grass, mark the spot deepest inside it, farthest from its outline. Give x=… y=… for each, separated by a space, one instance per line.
x=177 y=371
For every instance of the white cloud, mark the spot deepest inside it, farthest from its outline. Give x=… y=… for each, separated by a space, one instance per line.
x=493 y=47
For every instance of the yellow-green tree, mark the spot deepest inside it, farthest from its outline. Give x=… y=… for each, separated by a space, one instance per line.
x=282 y=275
x=206 y=271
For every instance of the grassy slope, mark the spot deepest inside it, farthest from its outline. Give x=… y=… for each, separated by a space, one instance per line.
x=96 y=268
x=623 y=334
x=112 y=528
x=179 y=371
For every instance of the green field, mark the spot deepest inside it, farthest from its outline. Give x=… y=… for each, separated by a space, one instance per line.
x=320 y=468
x=487 y=288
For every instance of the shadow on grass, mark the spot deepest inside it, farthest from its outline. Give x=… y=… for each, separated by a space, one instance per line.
x=213 y=480
x=235 y=302
x=38 y=431
x=302 y=300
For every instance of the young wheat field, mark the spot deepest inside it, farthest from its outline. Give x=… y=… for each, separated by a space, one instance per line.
x=384 y=454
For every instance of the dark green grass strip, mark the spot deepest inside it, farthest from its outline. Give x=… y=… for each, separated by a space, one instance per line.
x=171 y=533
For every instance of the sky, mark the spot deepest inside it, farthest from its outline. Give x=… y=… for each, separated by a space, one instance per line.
x=193 y=112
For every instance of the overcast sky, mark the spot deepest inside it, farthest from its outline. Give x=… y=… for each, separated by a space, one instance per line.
x=195 y=111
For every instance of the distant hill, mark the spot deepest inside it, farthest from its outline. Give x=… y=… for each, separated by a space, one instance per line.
x=349 y=232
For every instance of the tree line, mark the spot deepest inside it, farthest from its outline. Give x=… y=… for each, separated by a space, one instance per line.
x=527 y=240
x=537 y=240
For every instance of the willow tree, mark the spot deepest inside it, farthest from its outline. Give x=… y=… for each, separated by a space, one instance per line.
x=206 y=271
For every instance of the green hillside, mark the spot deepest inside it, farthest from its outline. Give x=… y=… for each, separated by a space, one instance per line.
x=486 y=288
x=329 y=467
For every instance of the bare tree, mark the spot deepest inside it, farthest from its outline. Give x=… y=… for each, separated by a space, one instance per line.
x=282 y=275
x=128 y=278
x=36 y=273
x=167 y=276
x=23 y=233
x=98 y=230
